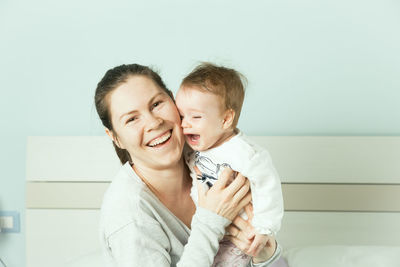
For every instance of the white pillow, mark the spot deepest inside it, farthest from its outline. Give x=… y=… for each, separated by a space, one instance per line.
x=343 y=256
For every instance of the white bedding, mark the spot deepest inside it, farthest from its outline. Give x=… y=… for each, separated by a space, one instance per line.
x=317 y=256
x=94 y=259
x=343 y=256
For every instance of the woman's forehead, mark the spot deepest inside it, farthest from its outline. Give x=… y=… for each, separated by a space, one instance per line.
x=139 y=84
x=134 y=94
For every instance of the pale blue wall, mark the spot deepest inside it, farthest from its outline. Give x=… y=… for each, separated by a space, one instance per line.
x=314 y=67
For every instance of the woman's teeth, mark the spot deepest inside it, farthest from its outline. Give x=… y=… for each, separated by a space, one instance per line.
x=160 y=139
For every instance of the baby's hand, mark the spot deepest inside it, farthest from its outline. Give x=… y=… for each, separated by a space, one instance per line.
x=258 y=244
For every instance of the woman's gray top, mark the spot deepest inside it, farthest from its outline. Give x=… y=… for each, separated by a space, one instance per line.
x=136 y=229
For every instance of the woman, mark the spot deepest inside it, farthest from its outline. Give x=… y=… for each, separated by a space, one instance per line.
x=147 y=213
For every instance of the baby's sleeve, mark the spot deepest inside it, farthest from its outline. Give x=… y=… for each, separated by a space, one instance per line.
x=266 y=193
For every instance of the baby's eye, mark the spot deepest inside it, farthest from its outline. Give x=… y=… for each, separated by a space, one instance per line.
x=196 y=117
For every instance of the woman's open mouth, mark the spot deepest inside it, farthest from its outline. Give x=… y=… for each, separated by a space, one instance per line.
x=161 y=140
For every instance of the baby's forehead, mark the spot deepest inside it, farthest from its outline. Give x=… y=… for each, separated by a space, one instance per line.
x=200 y=90
x=200 y=98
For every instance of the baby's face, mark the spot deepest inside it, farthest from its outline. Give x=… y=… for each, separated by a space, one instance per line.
x=202 y=115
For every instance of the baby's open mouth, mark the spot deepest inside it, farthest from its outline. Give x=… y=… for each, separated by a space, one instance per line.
x=160 y=140
x=193 y=138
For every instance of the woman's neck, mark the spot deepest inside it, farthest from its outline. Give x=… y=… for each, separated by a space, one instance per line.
x=166 y=183
x=172 y=187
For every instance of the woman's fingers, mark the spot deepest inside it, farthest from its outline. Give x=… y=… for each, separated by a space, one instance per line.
x=249 y=211
x=242 y=244
x=240 y=222
x=242 y=191
x=223 y=199
x=247 y=246
x=244 y=226
x=232 y=230
x=200 y=189
x=259 y=242
x=244 y=201
x=223 y=179
x=237 y=184
x=197 y=170
x=254 y=247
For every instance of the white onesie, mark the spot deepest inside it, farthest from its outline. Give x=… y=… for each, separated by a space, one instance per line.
x=251 y=160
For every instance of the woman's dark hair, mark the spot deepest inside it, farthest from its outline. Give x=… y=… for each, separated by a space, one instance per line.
x=111 y=80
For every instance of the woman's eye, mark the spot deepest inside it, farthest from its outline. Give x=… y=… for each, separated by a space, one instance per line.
x=131 y=119
x=156 y=104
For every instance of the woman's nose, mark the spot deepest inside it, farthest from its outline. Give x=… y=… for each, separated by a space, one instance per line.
x=153 y=122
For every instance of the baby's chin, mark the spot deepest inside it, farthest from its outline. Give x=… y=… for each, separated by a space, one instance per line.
x=195 y=145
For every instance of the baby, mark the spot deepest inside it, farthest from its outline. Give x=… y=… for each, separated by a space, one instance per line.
x=209 y=101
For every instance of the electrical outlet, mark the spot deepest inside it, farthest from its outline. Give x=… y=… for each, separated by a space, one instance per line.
x=9 y=222
x=6 y=222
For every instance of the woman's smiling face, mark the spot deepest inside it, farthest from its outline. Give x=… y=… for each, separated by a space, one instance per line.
x=146 y=122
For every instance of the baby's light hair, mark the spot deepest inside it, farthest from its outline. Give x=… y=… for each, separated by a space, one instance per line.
x=227 y=83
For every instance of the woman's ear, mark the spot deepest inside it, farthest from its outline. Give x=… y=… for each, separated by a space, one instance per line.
x=229 y=116
x=113 y=138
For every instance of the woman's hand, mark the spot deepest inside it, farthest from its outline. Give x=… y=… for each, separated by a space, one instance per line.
x=242 y=234
x=266 y=252
x=223 y=198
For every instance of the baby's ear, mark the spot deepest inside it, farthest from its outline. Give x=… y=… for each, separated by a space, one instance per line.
x=229 y=116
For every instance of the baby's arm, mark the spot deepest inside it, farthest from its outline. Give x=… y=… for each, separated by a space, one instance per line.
x=266 y=193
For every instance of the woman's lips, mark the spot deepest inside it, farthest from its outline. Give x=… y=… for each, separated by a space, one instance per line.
x=160 y=140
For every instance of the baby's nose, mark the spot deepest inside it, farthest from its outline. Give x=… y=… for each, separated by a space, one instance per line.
x=185 y=123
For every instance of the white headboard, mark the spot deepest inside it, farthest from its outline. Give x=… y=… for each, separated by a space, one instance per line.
x=337 y=191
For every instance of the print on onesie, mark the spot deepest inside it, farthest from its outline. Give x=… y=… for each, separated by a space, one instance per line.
x=207 y=171
x=228 y=254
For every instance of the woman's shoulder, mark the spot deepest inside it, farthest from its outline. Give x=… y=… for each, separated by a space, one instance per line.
x=126 y=201
x=124 y=188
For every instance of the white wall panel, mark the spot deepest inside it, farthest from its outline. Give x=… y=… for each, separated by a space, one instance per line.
x=71 y=158
x=339 y=228
x=56 y=237
x=310 y=159
x=297 y=197
x=335 y=159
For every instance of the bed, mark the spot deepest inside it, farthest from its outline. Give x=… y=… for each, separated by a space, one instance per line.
x=341 y=195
